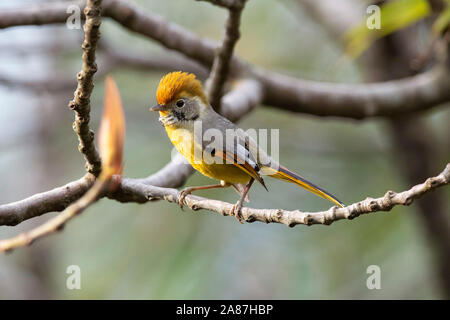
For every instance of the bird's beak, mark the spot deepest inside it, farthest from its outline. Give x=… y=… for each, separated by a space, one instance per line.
x=159 y=107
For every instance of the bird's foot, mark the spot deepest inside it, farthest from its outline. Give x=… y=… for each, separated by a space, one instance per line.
x=182 y=194
x=236 y=211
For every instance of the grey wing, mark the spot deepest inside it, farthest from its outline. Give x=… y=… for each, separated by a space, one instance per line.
x=257 y=154
x=236 y=146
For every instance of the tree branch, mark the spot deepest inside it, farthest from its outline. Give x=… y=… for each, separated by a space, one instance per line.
x=47 y=84
x=289 y=218
x=81 y=101
x=38 y=14
x=236 y=103
x=57 y=199
x=229 y=4
x=138 y=190
x=357 y=101
x=56 y=223
x=221 y=65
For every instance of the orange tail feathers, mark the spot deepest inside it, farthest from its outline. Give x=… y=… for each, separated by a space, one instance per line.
x=287 y=175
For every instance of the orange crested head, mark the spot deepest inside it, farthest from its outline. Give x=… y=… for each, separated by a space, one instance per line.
x=179 y=84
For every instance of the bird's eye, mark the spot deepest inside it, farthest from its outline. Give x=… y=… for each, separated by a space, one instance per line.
x=180 y=103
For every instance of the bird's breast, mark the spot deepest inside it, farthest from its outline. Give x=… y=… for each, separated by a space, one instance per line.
x=182 y=139
x=184 y=142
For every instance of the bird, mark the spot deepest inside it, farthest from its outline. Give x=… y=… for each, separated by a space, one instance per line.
x=188 y=118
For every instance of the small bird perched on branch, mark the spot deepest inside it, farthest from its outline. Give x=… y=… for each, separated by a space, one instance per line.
x=188 y=118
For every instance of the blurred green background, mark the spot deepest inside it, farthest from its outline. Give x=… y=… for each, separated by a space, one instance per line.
x=157 y=251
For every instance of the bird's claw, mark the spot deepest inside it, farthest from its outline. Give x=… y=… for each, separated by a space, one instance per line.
x=236 y=211
x=181 y=195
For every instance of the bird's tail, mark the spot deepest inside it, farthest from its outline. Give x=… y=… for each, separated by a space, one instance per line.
x=284 y=174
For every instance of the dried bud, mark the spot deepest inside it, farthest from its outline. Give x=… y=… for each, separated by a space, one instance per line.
x=112 y=131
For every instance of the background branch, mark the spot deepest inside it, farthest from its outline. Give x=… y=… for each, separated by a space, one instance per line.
x=336 y=17
x=229 y=4
x=54 y=200
x=37 y=14
x=236 y=103
x=358 y=101
x=221 y=65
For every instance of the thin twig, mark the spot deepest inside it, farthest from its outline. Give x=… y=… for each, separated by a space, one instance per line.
x=81 y=101
x=222 y=59
x=41 y=13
